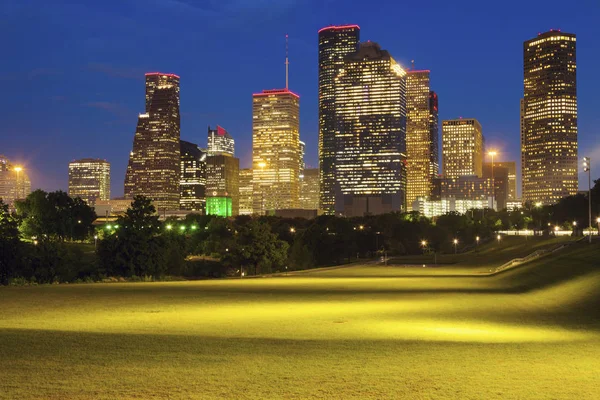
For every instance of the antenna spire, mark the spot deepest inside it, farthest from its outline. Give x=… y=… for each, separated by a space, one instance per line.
x=413 y=64
x=287 y=62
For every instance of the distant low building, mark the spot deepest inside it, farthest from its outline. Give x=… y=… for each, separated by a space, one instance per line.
x=111 y=208
x=296 y=213
x=89 y=179
x=435 y=208
x=246 y=191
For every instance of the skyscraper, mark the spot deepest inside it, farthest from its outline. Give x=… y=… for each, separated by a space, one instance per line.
x=511 y=167
x=220 y=141
x=275 y=149
x=421 y=135
x=89 y=179
x=335 y=43
x=246 y=191
x=14 y=182
x=462 y=147
x=192 y=183
x=223 y=180
x=549 y=137
x=309 y=189
x=154 y=162
x=370 y=111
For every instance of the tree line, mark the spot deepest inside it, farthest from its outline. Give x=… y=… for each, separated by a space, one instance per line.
x=51 y=238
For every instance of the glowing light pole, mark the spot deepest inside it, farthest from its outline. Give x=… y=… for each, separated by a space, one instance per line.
x=477 y=240
x=262 y=166
x=455 y=244
x=587 y=167
x=18 y=171
x=493 y=154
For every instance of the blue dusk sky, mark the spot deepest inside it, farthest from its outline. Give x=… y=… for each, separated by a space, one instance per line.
x=72 y=72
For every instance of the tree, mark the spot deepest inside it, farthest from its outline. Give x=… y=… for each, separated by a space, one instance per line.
x=10 y=244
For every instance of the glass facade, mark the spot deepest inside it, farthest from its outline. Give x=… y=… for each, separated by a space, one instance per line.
x=421 y=135
x=192 y=183
x=222 y=179
x=154 y=162
x=549 y=128
x=309 y=189
x=275 y=150
x=246 y=191
x=370 y=130
x=462 y=148
x=335 y=44
x=219 y=206
x=89 y=179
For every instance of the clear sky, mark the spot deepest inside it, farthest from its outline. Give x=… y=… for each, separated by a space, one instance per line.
x=72 y=72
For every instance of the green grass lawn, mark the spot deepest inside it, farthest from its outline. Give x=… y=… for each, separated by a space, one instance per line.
x=364 y=332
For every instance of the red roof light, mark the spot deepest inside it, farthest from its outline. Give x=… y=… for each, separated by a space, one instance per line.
x=276 y=91
x=336 y=27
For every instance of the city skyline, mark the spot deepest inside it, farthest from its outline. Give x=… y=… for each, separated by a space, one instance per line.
x=501 y=119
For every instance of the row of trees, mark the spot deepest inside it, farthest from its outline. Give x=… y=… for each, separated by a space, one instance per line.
x=39 y=241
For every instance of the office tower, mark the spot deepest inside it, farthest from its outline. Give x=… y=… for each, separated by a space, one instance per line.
x=89 y=179
x=309 y=189
x=275 y=150
x=549 y=137
x=154 y=162
x=462 y=147
x=500 y=177
x=421 y=135
x=335 y=43
x=220 y=142
x=192 y=182
x=222 y=182
x=511 y=168
x=14 y=182
x=302 y=154
x=370 y=110
x=246 y=191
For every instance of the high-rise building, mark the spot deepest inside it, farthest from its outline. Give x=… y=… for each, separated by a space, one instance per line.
x=192 y=183
x=154 y=162
x=549 y=137
x=462 y=147
x=223 y=180
x=421 y=135
x=89 y=179
x=275 y=149
x=302 y=154
x=309 y=189
x=335 y=43
x=246 y=191
x=220 y=142
x=511 y=168
x=14 y=182
x=370 y=111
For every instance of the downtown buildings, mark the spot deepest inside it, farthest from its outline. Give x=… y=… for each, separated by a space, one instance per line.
x=275 y=150
x=14 y=182
x=220 y=142
x=192 y=182
x=462 y=148
x=421 y=135
x=370 y=133
x=335 y=44
x=154 y=162
x=549 y=118
x=89 y=179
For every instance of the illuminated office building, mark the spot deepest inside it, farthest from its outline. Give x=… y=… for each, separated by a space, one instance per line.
x=302 y=153
x=335 y=43
x=220 y=142
x=549 y=136
x=370 y=111
x=309 y=189
x=89 y=179
x=14 y=182
x=246 y=191
x=192 y=183
x=154 y=162
x=223 y=180
x=462 y=148
x=421 y=135
x=275 y=150
x=511 y=168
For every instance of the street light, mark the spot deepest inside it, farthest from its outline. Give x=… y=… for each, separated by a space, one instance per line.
x=477 y=240
x=455 y=244
x=493 y=154
x=424 y=245
x=18 y=171
x=169 y=227
x=95 y=242
x=262 y=166
x=587 y=167
x=499 y=238
x=292 y=230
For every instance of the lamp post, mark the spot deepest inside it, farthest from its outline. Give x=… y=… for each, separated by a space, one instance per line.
x=493 y=154
x=424 y=245
x=18 y=171
x=598 y=222
x=455 y=244
x=96 y=242
x=587 y=167
x=477 y=240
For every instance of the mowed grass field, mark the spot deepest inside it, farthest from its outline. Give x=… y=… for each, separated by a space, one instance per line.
x=363 y=332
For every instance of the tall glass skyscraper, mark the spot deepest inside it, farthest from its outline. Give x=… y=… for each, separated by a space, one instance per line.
x=275 y=150
x=335 y=43
x=370 y=132
x=89 y=179
x=421 y=135
x=549 y=129
x=192 y=184
x=154 y=162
